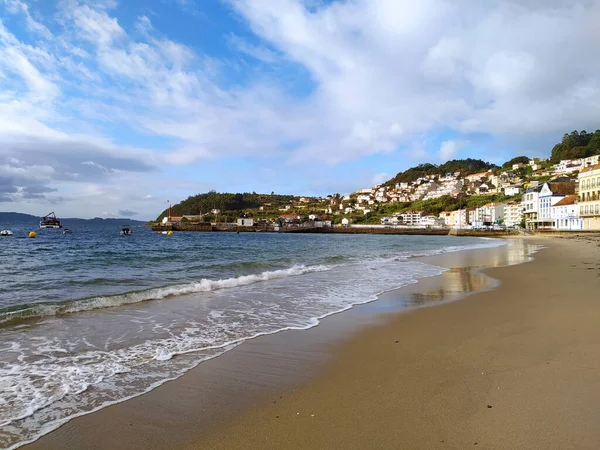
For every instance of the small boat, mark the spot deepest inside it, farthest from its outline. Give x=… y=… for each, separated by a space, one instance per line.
x=126 y=230
x=6 y=233
x=67 y=231
x=50 y=221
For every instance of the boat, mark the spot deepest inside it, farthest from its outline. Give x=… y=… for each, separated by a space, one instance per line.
x=67 y=231
x=50 y=221
x=6 y=233
x=126 y=230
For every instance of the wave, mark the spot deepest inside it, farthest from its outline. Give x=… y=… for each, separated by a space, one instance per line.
x=39 y=310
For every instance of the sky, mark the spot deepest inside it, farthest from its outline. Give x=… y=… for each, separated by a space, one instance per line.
x=113 y=108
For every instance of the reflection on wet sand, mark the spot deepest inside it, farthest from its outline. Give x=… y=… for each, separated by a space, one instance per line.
x=452 y=283
x=463 y=274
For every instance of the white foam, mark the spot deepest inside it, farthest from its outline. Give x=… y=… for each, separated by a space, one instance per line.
x=204 y=285
x=29 y=387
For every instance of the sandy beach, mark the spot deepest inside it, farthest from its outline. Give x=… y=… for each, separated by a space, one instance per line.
x=508 y=366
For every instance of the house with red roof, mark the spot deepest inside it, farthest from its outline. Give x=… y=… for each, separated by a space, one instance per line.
x=564 y=214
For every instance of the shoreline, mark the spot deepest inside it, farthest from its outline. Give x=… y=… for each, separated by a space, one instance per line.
x=512 y=367
x=304 y=354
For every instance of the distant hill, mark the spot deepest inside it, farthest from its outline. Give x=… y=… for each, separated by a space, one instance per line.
x=203 y=203
x=13 y=217
x=465 y=166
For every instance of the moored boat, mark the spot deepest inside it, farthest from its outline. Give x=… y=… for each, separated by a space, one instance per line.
x=6 y=233
x=50 y=221
x=126 y=230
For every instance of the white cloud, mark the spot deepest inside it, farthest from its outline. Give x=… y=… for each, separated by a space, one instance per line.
x=449 y=149
x=263 y=54
x=335 y=82
x=380 y=178
x=19 y=7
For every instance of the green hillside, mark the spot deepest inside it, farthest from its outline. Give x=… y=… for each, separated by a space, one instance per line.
x=225 y=202
x=577 y=144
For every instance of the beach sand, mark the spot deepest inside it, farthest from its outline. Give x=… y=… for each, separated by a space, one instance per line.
x=516 y=366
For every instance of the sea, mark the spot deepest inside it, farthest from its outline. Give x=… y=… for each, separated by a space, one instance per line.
x=94 y=318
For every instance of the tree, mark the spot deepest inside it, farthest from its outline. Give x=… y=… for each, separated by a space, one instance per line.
x=577 y=144
x=515 y=160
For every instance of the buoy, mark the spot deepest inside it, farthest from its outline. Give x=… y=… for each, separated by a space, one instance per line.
x=170 y=233
x=32 y=234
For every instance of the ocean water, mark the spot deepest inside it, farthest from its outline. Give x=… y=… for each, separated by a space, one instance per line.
x=94 y=318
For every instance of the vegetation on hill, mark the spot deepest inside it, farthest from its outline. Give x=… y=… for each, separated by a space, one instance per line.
x=204 y=203
x=465 y=166
x=577 y=144
x=515 y=160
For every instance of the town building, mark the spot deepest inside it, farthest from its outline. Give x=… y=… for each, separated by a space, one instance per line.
x=589 y=197
x=448 y=218
x=568 y=166
x=489 y=214
x=431 y=221
x=513 y=214
x=512 y=189
x=530 y=204
x=459 y=218
x=245 y=222
x=564 y=215
x=550 y=194
x=411 y=218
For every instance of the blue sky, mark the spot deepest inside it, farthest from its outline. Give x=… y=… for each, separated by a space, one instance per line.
x=109 y=106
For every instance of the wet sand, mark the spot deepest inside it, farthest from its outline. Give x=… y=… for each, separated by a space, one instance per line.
x=373 y=378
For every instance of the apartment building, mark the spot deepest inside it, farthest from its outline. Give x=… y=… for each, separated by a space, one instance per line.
x=589 y=197
x=513 y=214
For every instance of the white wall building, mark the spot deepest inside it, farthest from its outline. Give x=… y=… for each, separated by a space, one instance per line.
x=512 y=189
x=513 y=214
x=411 y=218
x=431 y=221
x=245 y=222
x=565 y=216
x=550 y=194
x=363 y=198
x=568 y=165
x=530 y=205
x=489 y=214
x=460 y=218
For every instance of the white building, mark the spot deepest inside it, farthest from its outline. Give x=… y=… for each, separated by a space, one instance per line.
x=431 y=221
x=568 y=166
x=564 y=215
x=591 y=161
x=513 y=214
x=363 y=198
x=550 y=194
x=411 y=218
x=245 y=222
x=448 y=218
x=512 y=189
x=488 y=214
x=422 y=190
x=530 y=205
x=459 y=218
x=451 y=187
